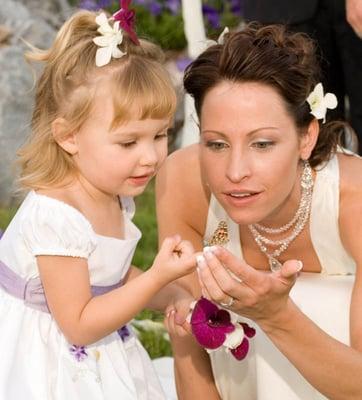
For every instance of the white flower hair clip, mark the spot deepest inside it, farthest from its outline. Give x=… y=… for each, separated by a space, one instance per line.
x=220 y=39
x=319 y=103
x=108 y=42
x=111 y=37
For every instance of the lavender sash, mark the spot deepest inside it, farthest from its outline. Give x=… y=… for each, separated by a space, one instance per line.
x=32 y=292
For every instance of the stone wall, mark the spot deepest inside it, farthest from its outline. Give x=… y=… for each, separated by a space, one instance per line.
x=35 y=22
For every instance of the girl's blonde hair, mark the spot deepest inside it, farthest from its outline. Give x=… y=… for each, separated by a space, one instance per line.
x=67 y=86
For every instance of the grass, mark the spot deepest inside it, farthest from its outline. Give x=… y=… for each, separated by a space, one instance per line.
x=154 y=340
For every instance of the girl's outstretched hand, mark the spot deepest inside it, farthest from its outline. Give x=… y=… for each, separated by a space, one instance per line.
x=175 y=259
x=258 y=295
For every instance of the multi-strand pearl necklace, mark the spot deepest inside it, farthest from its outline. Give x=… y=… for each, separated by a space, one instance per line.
x=298 y=223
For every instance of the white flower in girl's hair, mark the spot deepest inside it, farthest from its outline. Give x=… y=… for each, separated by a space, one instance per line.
x=108 y=41
x=319 y=102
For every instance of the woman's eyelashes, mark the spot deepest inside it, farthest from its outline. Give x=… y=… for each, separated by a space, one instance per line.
x=216 y=145
x=259 y=145
x=263 y=144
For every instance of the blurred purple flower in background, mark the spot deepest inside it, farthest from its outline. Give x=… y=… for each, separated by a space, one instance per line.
x=235 y=7
x=1 y=233
x=94 y=5
x=182 y=63
x=212 y=15
x=155 y=8
x=173 y=6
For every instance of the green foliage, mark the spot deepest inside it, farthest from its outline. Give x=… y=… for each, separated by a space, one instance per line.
x=165 y=29
x=5 y=216
x=145 y=219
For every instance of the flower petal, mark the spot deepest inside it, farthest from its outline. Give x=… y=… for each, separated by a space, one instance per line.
x=203 y=309
x=102 y=19
x=319 y=112
x=248 y=330
x=221 y=38
x=208 y=337
x=234 y=339
x=330 y=101
x=241 y=351
x=318 y=90
x=117 y=53
x=102 y=41
x=103 y=56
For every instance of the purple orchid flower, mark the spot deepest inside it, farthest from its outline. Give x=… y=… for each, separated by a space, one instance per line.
x=210 y=324
x=126 y=18
x=78 y=352
x=1 y=233
x=242 y=350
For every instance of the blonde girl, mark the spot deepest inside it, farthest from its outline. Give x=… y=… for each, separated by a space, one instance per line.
x=67 y=291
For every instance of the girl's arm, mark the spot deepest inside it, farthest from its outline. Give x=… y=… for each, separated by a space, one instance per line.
x=171 y=297
x=182 y=208
x=85 y=319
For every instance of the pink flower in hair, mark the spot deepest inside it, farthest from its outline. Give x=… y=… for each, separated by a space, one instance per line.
x=126 y=18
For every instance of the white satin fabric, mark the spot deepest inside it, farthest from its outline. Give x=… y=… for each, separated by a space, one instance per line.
x=266 y=374
x=36 y=363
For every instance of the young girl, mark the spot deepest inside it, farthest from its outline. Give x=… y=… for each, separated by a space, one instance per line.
x=103 y=107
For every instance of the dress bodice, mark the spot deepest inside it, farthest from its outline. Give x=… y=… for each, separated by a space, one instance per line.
x=266 y=374
x=47 y=226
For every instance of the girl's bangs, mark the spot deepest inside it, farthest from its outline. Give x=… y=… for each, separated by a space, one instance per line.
x=142 y=92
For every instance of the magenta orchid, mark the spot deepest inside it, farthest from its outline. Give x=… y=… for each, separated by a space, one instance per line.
x=126 y=18
x=214 y=327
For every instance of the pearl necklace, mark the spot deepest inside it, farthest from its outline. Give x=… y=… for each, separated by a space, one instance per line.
x=298 y=221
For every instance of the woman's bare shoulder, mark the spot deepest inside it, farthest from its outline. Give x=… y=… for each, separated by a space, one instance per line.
x=179 y=185
x=350 y=174
x=350 y=209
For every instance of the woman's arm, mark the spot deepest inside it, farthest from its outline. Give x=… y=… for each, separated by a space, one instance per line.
x=182 y=208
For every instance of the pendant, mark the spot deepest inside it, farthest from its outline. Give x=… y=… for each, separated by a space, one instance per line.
x=274 y=264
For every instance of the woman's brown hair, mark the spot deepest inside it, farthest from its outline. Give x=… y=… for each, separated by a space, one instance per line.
x=273 y=56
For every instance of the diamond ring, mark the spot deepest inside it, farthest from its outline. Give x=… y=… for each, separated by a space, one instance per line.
x=229 y=303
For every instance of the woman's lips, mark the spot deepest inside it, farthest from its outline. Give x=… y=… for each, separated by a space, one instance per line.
x=238 y=199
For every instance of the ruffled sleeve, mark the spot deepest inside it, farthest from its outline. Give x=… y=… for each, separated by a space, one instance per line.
x=52 y=227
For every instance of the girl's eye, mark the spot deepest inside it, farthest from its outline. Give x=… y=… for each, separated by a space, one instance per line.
x=161 y=136
x=263 y=145
x=127 y=144
x=216 y=145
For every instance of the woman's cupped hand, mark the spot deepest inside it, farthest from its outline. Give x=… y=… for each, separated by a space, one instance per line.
x=255 y=294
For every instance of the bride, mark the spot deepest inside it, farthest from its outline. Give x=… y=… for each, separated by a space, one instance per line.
x=268 y=183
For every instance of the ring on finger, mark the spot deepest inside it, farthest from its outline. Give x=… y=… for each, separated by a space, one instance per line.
x=229 y=303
